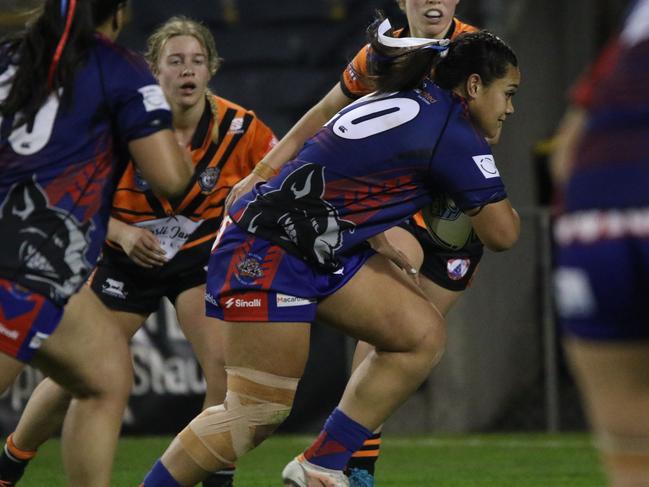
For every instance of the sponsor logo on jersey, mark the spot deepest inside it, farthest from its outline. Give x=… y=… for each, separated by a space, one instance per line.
x=286 y=301
x=243 y=303
x=153 y=98
x=11 y=334
x=208 y=178
x=114 y=288
x=236 y=126
x=457 y=268
x=487 y=165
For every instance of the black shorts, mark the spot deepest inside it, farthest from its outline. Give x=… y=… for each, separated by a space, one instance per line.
x=450 y=269
x=122 y=285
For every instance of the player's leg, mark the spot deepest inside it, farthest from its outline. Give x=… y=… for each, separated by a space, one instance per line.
x=264 y=363
x=89 y=357
x=601 y=296
x=441 y=288
x=45 y=411
x=384 y=307
x=205 y=336
x=615 y=385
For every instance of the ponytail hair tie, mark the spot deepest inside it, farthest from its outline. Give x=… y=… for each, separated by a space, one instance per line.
x=58 y=52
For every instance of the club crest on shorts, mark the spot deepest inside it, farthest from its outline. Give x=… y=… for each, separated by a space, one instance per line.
x=250 y=269
x=457 y=268
x=208 y=178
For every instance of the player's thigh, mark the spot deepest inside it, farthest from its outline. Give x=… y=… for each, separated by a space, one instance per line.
x=613 y=377
x=407 y=243
x=383 y=306
x=203 y=332
x=87 y=354
x=10 y=368
x=277 y=348
x=442 y=298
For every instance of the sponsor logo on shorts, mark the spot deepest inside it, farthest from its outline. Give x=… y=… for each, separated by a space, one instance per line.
x=11 y=334
x=286 y=301
x=243 y=303
x=211 y=299
x=487 y=165
x=573 y=293
x=457 y=268
x=114 y=288
x=37 y=340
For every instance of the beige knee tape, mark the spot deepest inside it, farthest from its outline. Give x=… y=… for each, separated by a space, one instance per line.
x=255 y=401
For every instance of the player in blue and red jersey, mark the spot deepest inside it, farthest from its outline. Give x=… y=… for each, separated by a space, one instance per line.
x=159 y=248
x=297 y=245
x=602 y=274
x=444 y=273
x=71 y=102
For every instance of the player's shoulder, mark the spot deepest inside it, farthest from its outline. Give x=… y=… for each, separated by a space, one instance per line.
x=463 y=28
x=114 y=56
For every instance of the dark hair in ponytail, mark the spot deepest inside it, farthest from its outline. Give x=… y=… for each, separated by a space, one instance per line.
x=481 y=53
x=397 y=68
x=33 y=50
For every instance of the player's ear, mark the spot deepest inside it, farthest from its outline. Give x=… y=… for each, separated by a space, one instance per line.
x=473 y=85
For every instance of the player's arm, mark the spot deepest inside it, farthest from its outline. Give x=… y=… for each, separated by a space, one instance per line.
x=164 y=164
x=497 y=224
x=292 y=142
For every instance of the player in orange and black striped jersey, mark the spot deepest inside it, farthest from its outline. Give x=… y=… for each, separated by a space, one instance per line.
x=445 y=273
x=159 y=247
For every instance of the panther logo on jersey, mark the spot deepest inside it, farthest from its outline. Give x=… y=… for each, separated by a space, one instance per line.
x=49 y=244
x=307 y=221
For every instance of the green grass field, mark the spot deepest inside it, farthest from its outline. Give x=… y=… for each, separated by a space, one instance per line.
x=516 y=460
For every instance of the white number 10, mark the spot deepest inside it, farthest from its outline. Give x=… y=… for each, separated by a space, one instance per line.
x=375 y=117
x=22 y=140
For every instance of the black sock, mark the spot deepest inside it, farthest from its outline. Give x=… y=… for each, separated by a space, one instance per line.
x=222 y=478
x=366 y=457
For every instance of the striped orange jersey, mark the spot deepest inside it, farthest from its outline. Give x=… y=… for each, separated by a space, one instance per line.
x=193 y=219
x=352 y=79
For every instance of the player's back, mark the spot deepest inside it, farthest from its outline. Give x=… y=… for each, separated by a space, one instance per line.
x=57 y=172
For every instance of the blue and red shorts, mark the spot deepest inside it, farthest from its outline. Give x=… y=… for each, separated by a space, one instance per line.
x=26 y=319
x=602 y=275
x=251 y=279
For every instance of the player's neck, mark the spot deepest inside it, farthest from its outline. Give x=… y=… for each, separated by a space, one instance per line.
x=186 y=119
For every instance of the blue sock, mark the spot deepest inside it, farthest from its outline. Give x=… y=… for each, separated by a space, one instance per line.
x=159 y=476
x=340 y=437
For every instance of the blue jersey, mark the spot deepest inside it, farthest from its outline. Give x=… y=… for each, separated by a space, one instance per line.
x=612 y=168
x=370 y=167
x=57 y=175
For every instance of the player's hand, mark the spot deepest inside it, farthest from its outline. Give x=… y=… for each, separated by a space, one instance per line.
x=142 y=247
x=242 y=187
x=382 y=246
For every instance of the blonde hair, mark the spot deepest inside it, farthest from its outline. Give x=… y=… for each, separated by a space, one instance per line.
x=179 y=25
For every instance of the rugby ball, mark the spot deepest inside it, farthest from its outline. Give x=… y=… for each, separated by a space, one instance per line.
x=447 y=225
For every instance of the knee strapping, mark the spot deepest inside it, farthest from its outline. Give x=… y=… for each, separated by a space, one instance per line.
x=255 y=404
